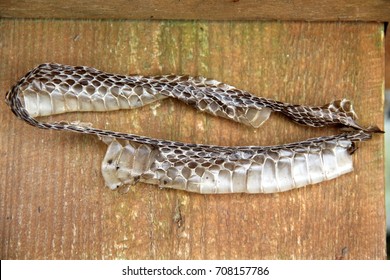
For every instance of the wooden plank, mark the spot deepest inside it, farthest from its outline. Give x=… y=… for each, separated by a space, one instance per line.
x=327 y=10
x=53 y=202
x=387 y=59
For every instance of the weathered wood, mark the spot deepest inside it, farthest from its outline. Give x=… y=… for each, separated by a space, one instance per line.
x=327 y=10
x=387 y=59
x=53 y=202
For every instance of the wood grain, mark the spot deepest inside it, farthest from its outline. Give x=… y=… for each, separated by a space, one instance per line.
x=327 y=10
x=387 y=59
x=53 y=202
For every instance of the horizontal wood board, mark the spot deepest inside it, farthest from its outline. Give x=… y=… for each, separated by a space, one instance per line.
x=53 y=203
x=327 y=10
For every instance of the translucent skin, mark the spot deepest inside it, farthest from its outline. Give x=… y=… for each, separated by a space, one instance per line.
x=53 y=89
x=207 y=170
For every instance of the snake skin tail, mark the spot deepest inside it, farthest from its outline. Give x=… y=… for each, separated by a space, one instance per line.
x=338 y=112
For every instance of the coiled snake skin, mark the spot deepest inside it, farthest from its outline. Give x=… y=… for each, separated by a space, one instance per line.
x=54 y=89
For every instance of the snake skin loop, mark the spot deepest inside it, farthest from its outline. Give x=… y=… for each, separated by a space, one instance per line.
x=54 y=89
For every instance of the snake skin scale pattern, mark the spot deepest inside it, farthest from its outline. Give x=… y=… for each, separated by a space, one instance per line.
x=54 y=89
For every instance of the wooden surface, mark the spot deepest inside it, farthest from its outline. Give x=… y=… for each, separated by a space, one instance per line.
x=326 y=10
x=53 y=202
x=387 y=59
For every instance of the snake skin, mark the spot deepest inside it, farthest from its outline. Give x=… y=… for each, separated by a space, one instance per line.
x=54 y=89
x=207 y=169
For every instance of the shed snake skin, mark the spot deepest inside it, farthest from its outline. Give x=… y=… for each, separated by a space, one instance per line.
x=54 y=89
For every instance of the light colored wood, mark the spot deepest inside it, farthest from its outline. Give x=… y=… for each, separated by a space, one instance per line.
x=53 y=202
x=327 y=10
x=387 y=59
